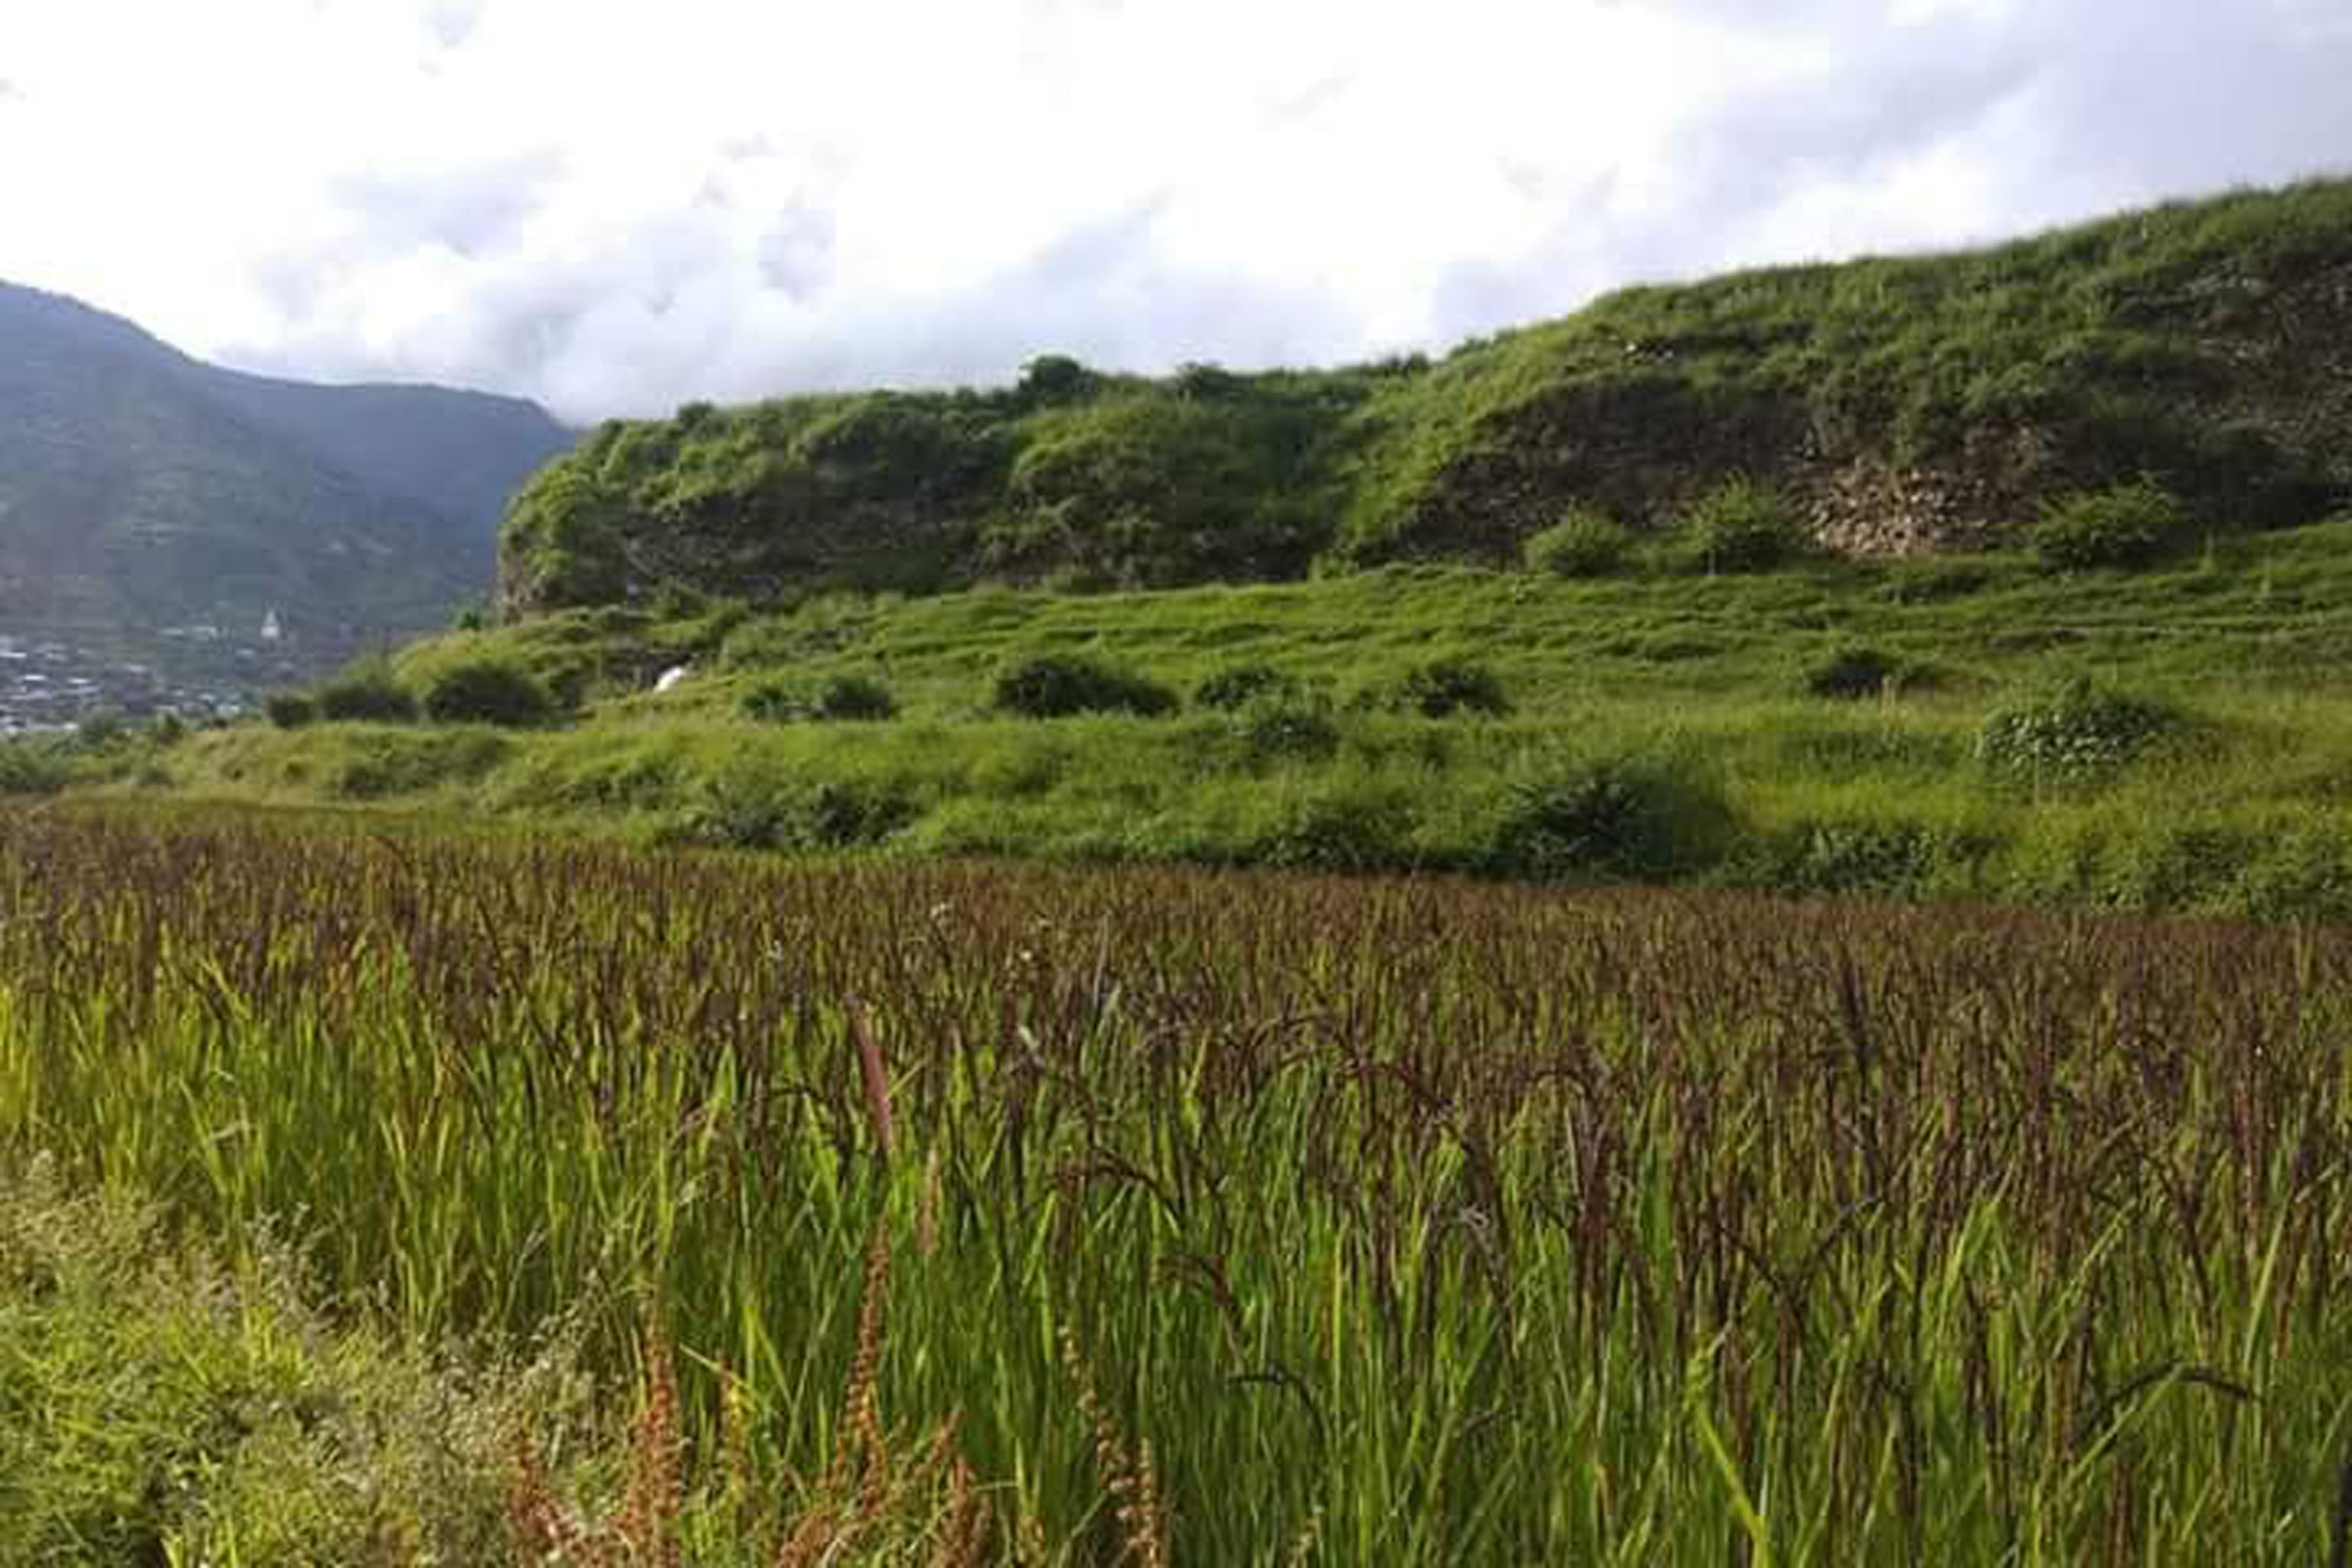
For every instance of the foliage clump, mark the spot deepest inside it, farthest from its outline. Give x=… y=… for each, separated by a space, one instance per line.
x=489 y=691
x=1237 y=686
x=1744 y=525
x=1061 y=685
x=1451 y=688
x=290 y=709
x=368 y=694
x=2075 y=730
x=839 y=699
x=1287 y=727
x=2123 y=526
x=1617 y=817
x=1583 y=543
x=1854 y=670
x=750 y=807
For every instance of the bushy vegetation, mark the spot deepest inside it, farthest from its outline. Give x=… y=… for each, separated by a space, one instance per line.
x=1743 y=525
x=2125 y=526
x=290 y=709
x=1210 y=1219
x=1582 y=543
x=489 y=691
x=1450 y=687
x=367 y=694
x=1237 y=686
x=1058 y=685
x=850 y=697
x=1853 y=670
x=1625 y=818
x=2071 y=730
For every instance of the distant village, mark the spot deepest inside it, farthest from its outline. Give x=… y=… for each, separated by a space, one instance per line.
x=201 y=673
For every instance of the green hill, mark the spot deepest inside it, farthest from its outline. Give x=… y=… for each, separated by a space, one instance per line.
x=1894 y=405
x=2091 y=645
x=141 y=489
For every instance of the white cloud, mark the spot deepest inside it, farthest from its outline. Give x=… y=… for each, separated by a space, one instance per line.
x=617 y=206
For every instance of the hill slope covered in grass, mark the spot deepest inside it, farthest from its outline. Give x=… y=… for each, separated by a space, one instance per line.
x=1897 y=726
x=1892 y=405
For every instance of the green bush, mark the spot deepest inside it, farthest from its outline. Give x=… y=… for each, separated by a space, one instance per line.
x=289 y=710
x=1582 y=543
x=1287 y=728
x=1607 y=818
x=1350 y=827
x=2123 y=526
x=1237 y=686
x=489 y=691
x=2075 y=730
x=30 y=767
x=1058 y=685
x=1743 y=525
x=754 y=808
x=1904 y=858
x=854 y=699
x=1450 y=688
x=1856 y=670
x=367 y=695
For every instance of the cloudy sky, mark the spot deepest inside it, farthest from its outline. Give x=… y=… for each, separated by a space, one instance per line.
x=614 y=207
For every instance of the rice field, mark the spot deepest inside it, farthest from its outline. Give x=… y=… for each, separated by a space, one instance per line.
x=1216 y=1219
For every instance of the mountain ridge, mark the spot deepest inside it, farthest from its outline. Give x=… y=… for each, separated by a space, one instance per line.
x=143 y=490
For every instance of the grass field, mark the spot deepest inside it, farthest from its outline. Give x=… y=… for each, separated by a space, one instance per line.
x=1693 y=687
x=1213 y=1218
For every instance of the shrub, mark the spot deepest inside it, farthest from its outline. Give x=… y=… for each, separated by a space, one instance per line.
x=2123 y=526
x=30 y=767
x=1612 y=817
x=750 y=809
x=1237 y=686
x=1743 y=525
x=489 y=691
x=1287 y=728
x=290 y=711
x=368 y=694
x=1056 y=685
x=1856 y=670
x=854 y=698
x=1582 y=543
x=2075 y=730
x=1349 y=827
x=1446 y=688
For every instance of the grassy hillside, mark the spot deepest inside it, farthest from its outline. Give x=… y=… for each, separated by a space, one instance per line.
x=1892 y=405
x=1836 y=726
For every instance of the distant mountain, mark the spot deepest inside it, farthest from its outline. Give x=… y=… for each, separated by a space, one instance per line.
x=145 y=493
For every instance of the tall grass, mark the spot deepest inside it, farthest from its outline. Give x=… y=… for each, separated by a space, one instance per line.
x=1374 y=1222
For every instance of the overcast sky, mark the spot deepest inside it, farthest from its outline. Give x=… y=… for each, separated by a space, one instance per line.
x=615 y=207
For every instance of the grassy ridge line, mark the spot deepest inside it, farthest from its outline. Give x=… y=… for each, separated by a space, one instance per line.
x=1426 y=1225
x=1899 y=402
